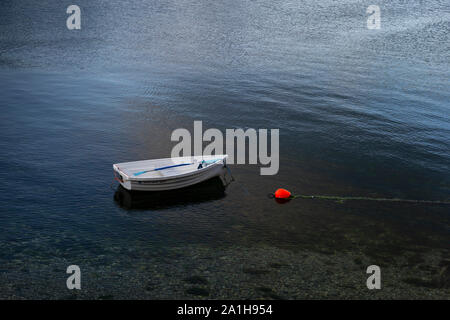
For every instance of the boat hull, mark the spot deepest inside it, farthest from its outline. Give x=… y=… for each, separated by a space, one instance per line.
x=175 y=182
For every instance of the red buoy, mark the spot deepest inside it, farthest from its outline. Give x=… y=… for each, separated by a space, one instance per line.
x=282 y=194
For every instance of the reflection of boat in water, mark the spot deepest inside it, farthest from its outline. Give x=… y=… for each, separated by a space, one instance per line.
x=168 y=173
x=212 y=189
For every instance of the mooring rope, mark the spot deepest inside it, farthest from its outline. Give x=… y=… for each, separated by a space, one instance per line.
x=325 y=197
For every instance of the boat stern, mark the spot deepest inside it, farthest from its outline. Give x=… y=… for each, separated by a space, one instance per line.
x=121 y=177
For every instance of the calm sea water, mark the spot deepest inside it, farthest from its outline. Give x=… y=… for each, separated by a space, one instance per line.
x=361 y=112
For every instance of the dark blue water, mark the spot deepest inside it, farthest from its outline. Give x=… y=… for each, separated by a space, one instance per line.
x=361 y=112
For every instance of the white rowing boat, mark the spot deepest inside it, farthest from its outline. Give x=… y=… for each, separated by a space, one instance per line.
x=168 y=173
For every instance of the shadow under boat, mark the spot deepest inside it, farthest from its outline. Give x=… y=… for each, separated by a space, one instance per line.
x=212 y=189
